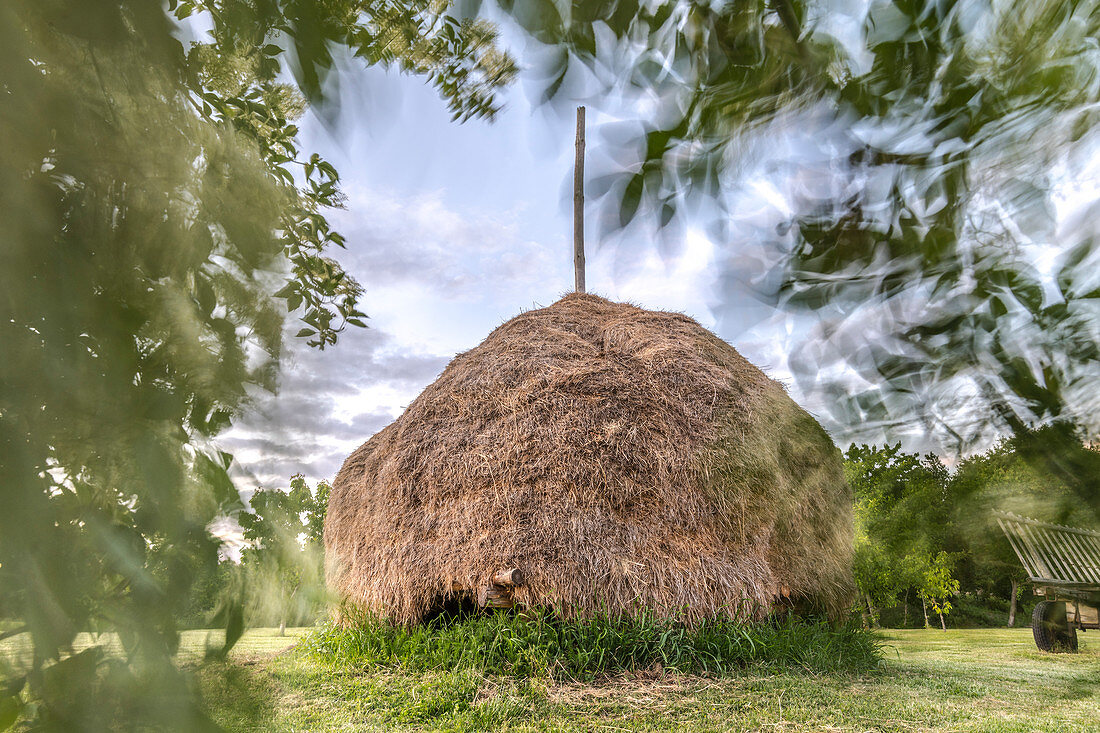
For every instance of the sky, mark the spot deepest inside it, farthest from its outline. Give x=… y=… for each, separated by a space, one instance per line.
x=453 y=229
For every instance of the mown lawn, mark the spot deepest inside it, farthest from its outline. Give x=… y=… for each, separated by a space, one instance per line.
x=974 y=680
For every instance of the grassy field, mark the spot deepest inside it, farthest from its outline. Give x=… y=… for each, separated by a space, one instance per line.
x=976 y=680
x=256 y=644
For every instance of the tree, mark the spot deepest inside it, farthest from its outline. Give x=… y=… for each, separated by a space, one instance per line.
x=919 y=527
x=947 y=129
x=1001 y=479
x=159 y=222
x=876 y=577
x=901 y=511
x=938 y=586
x=284 y=562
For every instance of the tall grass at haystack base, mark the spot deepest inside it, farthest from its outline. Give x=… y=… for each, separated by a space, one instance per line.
x=586 y=649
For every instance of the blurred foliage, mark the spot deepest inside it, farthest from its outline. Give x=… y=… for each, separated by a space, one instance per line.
x=207 y=594
x=923 y=531
x=158 y=218
x=284 y=562
x=921 y=149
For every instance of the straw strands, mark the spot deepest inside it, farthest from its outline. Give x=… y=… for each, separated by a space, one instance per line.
x=621 y=459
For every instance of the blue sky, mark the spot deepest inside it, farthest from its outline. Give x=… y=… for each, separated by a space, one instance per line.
x=453 y=229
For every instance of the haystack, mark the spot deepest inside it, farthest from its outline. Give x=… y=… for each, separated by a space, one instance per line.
x=617 y=459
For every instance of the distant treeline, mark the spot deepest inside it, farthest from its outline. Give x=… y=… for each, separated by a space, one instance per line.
x=927 y=541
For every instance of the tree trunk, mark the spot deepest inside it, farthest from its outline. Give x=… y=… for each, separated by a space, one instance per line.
x=282 y=628
x=871 y=610
x=924 y=605
x=905 y=617
x=943 y=624
x=1012 y=604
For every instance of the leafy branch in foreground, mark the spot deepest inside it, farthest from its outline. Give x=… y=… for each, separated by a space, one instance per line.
x=150 y=208
x=920 y=154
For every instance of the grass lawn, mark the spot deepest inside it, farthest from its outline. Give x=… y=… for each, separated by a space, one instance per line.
x=972 y=680
x=256 y=644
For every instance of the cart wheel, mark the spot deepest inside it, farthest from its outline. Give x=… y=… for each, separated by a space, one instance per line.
x=1051 y=629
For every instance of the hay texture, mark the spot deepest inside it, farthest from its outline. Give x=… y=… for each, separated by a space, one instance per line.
x=623 y=459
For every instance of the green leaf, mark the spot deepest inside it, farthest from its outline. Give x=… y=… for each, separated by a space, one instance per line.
x=632 y=197
x=10 y=708
x=287 y=290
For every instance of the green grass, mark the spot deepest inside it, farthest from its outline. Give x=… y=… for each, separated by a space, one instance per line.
x=990 y=680
x=590 y=649
x=972 y=680
x=16 y=651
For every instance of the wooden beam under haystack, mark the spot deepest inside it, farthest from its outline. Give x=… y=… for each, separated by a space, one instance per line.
x=498 y=592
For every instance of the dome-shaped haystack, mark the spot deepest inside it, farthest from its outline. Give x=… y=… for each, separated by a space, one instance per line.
x=620 y=459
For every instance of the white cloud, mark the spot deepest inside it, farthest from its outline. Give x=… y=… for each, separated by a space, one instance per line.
x=638 y=272
x=437 y=280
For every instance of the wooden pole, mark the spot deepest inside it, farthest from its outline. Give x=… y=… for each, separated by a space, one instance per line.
x=578 y=204
x=510 y=578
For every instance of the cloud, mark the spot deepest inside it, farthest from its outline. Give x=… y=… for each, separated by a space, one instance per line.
x=421 y=241
x=327 y=403
x=436 y=281
x=437 y=278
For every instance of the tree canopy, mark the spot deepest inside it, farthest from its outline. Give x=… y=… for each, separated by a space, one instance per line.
x=923 y=531
x=919 y=227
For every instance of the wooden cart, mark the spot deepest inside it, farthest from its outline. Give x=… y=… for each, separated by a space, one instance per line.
x=1063 y=564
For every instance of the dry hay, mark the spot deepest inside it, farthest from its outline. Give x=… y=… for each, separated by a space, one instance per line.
x=623 y=459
